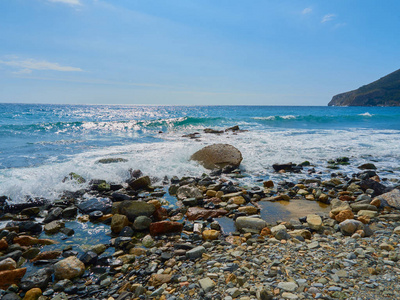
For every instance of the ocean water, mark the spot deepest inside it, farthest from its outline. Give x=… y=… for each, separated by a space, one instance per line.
x=40 y=144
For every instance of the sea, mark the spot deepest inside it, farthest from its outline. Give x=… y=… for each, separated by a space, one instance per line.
x=40 y=144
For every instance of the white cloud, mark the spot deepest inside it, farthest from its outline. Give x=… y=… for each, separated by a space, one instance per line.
x=28 y=65
x=70 y=2
x=307 y=10
x=328 y=18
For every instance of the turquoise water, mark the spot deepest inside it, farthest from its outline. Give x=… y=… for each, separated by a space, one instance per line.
x=41 y=144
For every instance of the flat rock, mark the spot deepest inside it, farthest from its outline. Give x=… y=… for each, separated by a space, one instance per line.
x=218 y=156
x=338 y=205
x=163 y=227
x=207 y=284
x=314 y=222
x=251 y=223
x=133 y=209
x=39 y=279
x=196 y=252
x=288 y=286
x=102 y=204
x=188 y=191
x=197 y=213
x=9 y=277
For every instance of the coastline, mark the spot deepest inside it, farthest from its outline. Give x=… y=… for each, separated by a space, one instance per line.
x=188 y=255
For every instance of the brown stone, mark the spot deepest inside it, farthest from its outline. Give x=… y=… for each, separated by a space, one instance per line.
x=346 y=198
x=376 y=202
x=26 y=240
x=265 y=231
x=3 y=245
x=137 y=251
x=140 y=183
x=155 y=202
x=218 y=156
x=164 y=227
x=10 y=277
x=196 y=213
x=46 y=255
x=344 y=215
x=235 y=240
x=33 y=294
x=210 y=235
x=214 y=200
x=238 y=200
x=211 y=193
x=249 y=210
x=160 y=214
x=364 y=219
x=118 y=222
x=376 y=178
x=268 y=184
x=159 y=279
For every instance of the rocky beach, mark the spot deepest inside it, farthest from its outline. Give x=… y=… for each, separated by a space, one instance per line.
x=204 y=238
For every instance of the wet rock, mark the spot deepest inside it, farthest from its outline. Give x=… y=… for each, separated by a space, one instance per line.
x=88 y=258
x=142 y=223
x=8 y=264
x=367 y=166
x=377 y=187
x=39 y=279
x=69 y=268
x=139 y=183
x=133 y=209
x=31 y=211
x=53 y=227
x=70 y=212
x=33 y=294
x=118 y=222
x=46 y=255
x=289 y=167
x=197 y=213
x=75 y=177
x=188 y=191
x=163 y=227
x=15 y=255
x=26 y=226
x=26 y=240
x=54 y=214
x=111 y=160
x=102 y=204
x=218 y=156
x=9 y=277
x=210 y=130
x=250 y=223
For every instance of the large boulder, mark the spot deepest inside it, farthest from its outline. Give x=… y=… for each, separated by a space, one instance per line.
x=218 y=156
x=392 y=198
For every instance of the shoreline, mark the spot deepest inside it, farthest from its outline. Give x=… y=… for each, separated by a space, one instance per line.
x=126 y=241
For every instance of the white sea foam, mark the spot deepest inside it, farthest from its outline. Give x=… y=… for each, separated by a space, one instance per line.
x=366 y=114
x=170 y=157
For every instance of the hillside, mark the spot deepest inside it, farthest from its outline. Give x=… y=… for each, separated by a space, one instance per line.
x=383 y=92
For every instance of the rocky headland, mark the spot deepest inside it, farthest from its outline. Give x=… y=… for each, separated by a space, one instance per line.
x=383 y=92
x=156 y=250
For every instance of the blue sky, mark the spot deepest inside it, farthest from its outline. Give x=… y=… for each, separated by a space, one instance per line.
x=194 y=52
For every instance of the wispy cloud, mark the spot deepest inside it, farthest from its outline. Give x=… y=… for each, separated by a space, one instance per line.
x=70 y=2
x=328 y=17
x=28 y=65
x=307 y=11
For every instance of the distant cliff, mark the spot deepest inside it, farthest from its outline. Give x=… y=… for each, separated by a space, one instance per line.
x=383 y=92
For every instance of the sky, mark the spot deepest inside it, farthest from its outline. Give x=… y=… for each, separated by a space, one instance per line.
x=191 y=52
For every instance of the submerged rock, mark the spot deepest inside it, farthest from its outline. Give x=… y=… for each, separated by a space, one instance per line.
x=133 y=209
x=218 y=156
